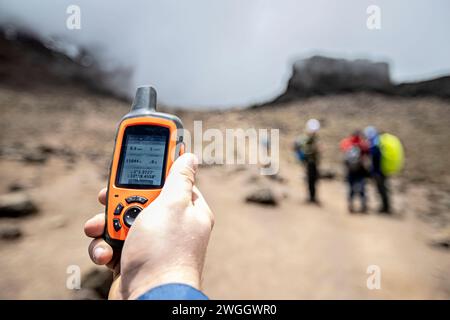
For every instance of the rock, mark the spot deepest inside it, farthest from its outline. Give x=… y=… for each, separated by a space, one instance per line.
x=35 y=158
x=11 y=152
x=263 y=196
x=47 y=149
x=8 y=232
x=327 y=174
x=16 y=204
x=13 y=187
x=99 y=281
x=442 y=239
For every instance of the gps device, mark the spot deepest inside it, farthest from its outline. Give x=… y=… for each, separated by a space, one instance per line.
x=147 y=143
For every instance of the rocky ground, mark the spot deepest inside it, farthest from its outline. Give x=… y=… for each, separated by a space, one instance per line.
x=55 y=146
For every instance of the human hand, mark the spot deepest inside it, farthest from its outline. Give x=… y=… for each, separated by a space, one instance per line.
x=167 y=242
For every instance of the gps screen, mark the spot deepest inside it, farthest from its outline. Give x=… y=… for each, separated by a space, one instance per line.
x=142 y=159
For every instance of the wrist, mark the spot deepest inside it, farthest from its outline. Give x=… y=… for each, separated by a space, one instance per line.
x=144 y=282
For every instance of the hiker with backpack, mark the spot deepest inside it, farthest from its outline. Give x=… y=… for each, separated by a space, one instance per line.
x=355 y=150
x=387 y=157
x=306 y=148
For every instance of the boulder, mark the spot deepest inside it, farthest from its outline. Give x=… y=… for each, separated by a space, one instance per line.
x=15 y=186
x=10 y=232
x=35 y=157
x=441 y=239
x=264 y=196
x=47 y=149
x=16 y=204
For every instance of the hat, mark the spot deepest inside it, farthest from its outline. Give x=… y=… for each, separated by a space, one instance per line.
x=370 y=132
x=312 y=125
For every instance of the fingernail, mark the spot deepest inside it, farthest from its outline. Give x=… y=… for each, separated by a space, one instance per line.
x=98 y=252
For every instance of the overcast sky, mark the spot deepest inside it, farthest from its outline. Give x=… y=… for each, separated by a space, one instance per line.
x=206 y=53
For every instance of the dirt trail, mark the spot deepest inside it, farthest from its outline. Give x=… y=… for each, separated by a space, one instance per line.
x=298 y=251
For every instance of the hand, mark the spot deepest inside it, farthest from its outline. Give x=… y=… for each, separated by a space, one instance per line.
x=167 y=242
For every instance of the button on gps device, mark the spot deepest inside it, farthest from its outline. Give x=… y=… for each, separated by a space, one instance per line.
x=116 y=224
x=146 y=145
x=130 y=215
x=119 y=209
x=137 y=199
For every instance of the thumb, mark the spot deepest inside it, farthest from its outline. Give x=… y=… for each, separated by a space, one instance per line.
x=181 y=179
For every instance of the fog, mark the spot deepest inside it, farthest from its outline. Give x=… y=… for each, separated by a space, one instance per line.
x=214 y=54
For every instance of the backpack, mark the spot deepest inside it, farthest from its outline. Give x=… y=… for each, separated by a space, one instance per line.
x=298 y=148
x=305 y=149
x=353 y=158
x=392 y=154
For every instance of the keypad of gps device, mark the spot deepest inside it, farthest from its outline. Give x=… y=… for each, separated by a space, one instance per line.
x=128 y=210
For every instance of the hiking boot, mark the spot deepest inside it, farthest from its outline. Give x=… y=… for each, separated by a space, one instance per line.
x=351 y=209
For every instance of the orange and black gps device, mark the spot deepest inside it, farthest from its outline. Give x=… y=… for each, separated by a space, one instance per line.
x=146 y=145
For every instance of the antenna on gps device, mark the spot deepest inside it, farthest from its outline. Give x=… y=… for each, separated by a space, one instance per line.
x=145 y=99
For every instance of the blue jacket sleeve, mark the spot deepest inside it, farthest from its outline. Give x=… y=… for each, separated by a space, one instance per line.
x=173 y=291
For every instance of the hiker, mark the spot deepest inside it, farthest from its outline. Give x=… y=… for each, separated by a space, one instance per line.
x=157 y=261
x=376 y=172
x=355 y=150
x=307 y=151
